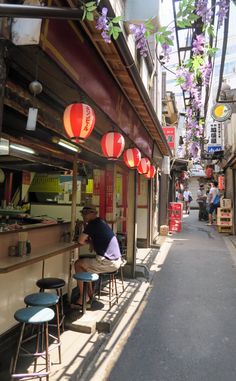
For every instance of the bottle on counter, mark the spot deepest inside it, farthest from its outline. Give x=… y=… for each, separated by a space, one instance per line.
x=28 y=247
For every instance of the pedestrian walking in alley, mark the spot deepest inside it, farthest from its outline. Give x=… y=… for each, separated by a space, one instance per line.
x=187 y=200
x=201 y=200
x=213 y=200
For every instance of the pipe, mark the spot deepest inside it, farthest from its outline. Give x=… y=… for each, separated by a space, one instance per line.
x=38 y=12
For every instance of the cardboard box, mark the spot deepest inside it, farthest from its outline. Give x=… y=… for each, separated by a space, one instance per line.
x=164 y=230
x=225 y=203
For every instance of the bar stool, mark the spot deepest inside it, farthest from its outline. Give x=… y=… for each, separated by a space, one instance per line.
x=54 y=284
x=39 y=316
x=46 y=299
x=85 y=278
x=111 y=283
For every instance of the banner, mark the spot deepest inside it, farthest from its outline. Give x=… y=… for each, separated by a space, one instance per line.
x=170 y=136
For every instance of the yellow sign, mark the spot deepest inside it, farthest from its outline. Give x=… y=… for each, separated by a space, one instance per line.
x=45 y=183
x=221 y=112
x=89 y=186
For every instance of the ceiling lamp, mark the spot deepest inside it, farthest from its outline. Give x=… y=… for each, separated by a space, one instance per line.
x=79 y=121
x=132 y=157
x=113 y=144
x=151 y=173
x=143 y=166
x=21 y=148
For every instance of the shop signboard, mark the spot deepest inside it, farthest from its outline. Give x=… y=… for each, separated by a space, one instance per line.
x=170 y=136
x=215 y=138
x=214 y=148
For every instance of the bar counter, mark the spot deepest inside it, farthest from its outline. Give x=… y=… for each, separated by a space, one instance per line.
x=8 y=264
x=50 y=257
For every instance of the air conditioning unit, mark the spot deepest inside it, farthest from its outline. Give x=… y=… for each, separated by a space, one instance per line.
x=137 y=13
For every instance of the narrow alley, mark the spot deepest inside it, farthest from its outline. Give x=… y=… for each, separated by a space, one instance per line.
x=187 y=329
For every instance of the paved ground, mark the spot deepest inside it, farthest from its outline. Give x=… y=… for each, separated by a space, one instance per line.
x=178 y=326
x=186 y=328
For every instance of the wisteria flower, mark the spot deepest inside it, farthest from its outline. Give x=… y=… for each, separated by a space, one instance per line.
x=198 y=44
x=206 y=73
x=203 y=11
x=139 y=35
x=102 y=24
x=222 y=12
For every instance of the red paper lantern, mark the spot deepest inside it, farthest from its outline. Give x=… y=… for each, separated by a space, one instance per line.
x=151 y=173
x=132 y=157
x=79 y=120
x=113 y=144
x=143 y=166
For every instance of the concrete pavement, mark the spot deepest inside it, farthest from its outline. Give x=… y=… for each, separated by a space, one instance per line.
x=178 y=324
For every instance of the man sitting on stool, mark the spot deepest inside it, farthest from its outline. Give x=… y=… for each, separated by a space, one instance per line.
x=99 y=234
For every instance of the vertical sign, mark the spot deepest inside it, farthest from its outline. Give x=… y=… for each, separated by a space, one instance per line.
x=170 y=136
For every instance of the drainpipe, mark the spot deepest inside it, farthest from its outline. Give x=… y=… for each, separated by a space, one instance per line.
x=3 y=75
x=38 y=12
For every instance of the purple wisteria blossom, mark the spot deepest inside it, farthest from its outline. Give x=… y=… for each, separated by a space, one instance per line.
x=184 y=75
x=194 y=149
x=222 y=12
x=140 y=39
x=206 y=73
x=196 y=98
x=198 y=44
x=203 y=11
x=102 y=24
x=166 y=49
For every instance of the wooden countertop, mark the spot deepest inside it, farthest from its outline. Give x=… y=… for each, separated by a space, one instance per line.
x=8 y=264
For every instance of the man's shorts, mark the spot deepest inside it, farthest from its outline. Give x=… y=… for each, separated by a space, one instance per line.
x=212 y=207
x=100 y=264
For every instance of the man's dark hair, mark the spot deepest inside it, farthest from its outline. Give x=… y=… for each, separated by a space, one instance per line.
x=215 y=183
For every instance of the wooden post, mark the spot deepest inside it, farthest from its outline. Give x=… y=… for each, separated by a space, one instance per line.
x=72 y=225
x=3 y=76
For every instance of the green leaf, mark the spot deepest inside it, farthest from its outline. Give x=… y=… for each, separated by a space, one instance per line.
x=89 y=16
x=91 y=9
x=117 y=29
x=115 y=35
x=116 y=20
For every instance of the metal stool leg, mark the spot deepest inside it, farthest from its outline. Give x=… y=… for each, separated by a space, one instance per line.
x=84 y=297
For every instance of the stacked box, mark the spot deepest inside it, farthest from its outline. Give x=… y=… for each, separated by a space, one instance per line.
x=175 y=225
x=224 y=217
x=225 y=229
x=225 y=203
x=175 y=216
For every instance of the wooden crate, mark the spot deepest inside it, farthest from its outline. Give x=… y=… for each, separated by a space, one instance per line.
x=224 y=212
x=224 y=221
x=224 y=229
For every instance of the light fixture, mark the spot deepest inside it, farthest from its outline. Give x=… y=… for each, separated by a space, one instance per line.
x=65 y=144
x=21 y=148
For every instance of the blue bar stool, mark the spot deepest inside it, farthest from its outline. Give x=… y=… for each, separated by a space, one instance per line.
x=39 y=316
x=85 y=278
x=46 y=299
x=54 y=284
